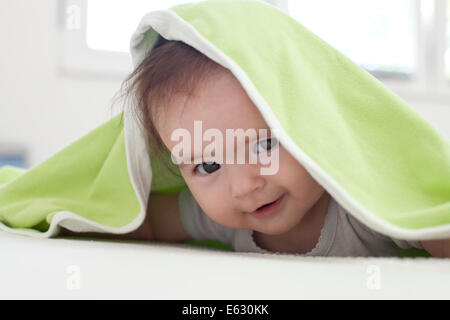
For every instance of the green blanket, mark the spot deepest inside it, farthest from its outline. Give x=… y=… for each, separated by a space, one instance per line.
x=373 y=153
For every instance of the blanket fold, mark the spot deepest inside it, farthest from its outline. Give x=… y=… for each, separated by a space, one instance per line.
x=373 y=153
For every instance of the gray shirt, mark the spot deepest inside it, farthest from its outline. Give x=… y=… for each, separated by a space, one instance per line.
x=342 y=235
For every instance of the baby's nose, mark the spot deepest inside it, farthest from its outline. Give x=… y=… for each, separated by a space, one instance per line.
x=244 y=179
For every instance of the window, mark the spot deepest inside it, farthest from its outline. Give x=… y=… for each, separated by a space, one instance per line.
x=363 y=30
x=112 y=31
x=405 y=43
x=95 y=34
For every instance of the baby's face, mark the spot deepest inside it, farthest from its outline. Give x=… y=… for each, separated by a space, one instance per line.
x=228 y=192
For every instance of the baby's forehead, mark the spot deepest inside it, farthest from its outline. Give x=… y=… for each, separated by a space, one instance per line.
x=226 y=114
x=225 y=124
x=221 y=104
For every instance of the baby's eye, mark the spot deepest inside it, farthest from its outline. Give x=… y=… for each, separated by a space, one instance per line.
x=208 y=167
x=268 y=144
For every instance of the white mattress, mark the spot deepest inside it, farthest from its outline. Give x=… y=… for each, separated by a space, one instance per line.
x=112 y=269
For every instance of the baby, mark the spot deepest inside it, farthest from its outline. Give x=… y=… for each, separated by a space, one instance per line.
x=176 y=85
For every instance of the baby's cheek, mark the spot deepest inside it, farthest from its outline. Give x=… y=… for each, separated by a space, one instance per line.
x=288 y=165
x=226 y=216
x=294 y=175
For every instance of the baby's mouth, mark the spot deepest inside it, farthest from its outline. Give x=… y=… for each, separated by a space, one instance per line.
x=268 y=204
x=268 y=209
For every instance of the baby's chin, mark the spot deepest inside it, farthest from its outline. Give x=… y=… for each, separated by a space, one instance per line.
x=279 y=224
x=274 y=229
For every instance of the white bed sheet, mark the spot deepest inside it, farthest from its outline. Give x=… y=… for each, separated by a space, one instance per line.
x=112 y=269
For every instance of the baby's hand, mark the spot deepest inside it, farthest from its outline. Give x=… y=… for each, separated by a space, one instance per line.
x=437 y=248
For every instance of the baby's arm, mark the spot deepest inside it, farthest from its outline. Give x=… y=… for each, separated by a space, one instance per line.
x=165 y=218
x=162 y=223
x=437 y=248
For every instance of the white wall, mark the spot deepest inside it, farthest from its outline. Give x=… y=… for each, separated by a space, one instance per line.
x=40 y=108
x=45 y=111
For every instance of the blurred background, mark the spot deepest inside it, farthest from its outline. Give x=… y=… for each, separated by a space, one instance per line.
x=63 y=61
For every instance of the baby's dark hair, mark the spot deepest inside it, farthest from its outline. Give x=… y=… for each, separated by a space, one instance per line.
x=171 y=68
